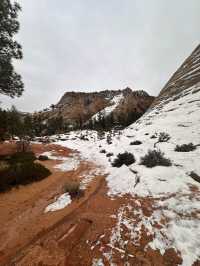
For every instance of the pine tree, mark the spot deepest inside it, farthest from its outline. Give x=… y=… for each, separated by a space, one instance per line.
x=10 y=82
x=28 y=126
x=3 y=124
x=14 y=122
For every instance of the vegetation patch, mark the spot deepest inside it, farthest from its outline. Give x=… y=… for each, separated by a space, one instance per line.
x=154 y=136
x=22 y=157
x=123 y=158
x=109 y=154
x=103 y=151
x=73 y=188
x=136 y=142
x=154 y=158
x=185 y=147
x=163 y=137
x=20 y=169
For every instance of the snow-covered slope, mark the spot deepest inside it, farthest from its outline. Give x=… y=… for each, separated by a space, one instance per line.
x=171 y=188
x=163 y=201
x=109 y=109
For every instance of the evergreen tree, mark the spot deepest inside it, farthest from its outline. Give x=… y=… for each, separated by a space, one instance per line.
x=14 y=122
x=10 y=82
x=3 y=124
x=37 y=125
x=28 y=126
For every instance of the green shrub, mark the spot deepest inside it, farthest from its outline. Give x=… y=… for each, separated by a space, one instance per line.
x=73 y=188
x=22 y=173
x=21 y=157
x=154 y=158
x=123 y=158
x=185 y=147
x=103 y=151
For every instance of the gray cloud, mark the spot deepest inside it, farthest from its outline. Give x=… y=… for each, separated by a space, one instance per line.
x=92 y=45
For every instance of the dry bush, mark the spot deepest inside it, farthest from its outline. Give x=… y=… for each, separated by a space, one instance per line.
x=185 y=147
x=136 y=142
x=73 y=188
x=163 y=137
x=123 y=158
x=154 y=158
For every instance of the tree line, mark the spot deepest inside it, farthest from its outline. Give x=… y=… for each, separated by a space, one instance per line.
x=14 y=123
x=107 y=122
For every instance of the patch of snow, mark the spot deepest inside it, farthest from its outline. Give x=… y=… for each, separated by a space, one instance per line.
x=88 y=177
x=68 y=164
x=107 y=110
x=97 y=262
x=59 y=204
x=170 y=187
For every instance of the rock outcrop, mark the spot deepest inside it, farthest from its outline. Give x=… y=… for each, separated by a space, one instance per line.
x=186 y=76
x=76 y=108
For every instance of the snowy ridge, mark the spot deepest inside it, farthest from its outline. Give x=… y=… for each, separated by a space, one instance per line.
x=175 y=195
x=186 y=76
x=109 y=109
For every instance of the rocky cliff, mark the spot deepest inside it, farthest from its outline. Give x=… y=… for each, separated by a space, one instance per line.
x=77 y=108
x=185 y=77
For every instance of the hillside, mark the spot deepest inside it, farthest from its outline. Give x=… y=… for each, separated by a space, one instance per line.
x=138 y=208
x=171 y=223
x=77 y=108
x=186 y=76
x=146 y=210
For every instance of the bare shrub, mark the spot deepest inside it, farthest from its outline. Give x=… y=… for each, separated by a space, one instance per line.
x=73 y=188
x=163 y=137
x=185 y=147
x=123 y=158
x=154 y=158
x=109 y=154
x=136 y=142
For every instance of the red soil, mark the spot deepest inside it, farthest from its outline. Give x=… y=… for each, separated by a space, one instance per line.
x=73 y=235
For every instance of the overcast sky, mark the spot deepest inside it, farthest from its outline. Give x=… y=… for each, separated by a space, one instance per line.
x=87 y=45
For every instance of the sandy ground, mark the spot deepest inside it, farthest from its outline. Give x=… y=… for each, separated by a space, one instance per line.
x=74 y=235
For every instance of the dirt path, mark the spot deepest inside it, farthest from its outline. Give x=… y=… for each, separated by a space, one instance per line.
x=22 y=209
x=76 y=235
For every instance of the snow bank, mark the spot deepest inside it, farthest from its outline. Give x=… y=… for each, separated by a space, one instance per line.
x=180 y=118
x=107 y=110
x=68 y=164
x=59 y=204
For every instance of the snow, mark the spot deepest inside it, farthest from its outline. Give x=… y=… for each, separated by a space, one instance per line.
x=68 y=163
x=182 y=231
x=107 y=110
x=97 y=262
x=86 y=178
x=170 y=187
x=59 y=204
